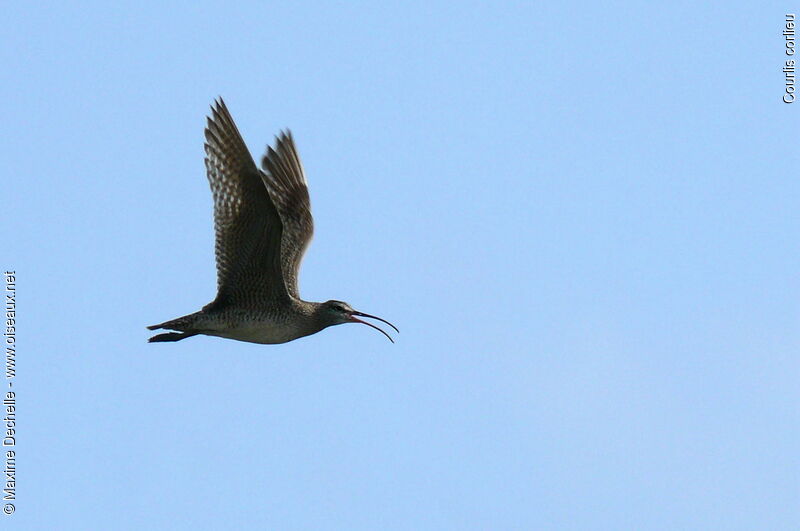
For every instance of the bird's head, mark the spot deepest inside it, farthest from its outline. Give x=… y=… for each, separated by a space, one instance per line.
x=337 y=312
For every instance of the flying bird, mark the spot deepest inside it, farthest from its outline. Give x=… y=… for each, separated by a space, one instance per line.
x=263 y=224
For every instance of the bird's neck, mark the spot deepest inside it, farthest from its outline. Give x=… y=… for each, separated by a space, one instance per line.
x=309 y=317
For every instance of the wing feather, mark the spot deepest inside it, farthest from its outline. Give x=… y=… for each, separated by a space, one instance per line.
x=286 y=181
x=247 y=224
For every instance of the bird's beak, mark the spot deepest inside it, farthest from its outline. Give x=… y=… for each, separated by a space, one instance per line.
x=360 y=314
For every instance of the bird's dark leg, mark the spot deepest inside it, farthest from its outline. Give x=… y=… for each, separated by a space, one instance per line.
x=171 y=336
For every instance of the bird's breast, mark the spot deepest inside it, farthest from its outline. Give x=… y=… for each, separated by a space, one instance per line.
x=265 y=332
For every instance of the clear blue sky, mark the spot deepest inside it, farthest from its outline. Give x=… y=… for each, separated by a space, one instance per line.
x=583 y=218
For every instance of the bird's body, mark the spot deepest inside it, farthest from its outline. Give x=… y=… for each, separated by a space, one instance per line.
x=267 y=326
x=263 y=224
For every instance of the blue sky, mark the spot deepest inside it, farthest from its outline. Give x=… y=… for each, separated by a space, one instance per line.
x=583 y=218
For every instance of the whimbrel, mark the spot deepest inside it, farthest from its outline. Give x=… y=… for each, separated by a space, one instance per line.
x=263 y=224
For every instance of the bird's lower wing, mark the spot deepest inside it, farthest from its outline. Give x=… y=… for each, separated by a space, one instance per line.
x=285 y=179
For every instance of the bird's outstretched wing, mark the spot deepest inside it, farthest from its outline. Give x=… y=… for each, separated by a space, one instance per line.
x=284 y=178
x=247 y=225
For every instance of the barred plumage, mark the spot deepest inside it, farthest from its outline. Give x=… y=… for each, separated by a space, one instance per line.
x=262 y=225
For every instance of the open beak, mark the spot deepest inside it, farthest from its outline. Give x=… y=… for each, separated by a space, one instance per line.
x=360 y=314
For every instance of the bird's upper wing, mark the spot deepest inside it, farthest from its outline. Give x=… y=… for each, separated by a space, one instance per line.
x=247 y=225
x=284 y=177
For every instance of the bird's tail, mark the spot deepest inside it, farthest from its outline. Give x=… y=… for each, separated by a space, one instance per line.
x=183 y=325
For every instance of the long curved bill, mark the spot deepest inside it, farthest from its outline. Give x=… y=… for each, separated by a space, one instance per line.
x=361 y=314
